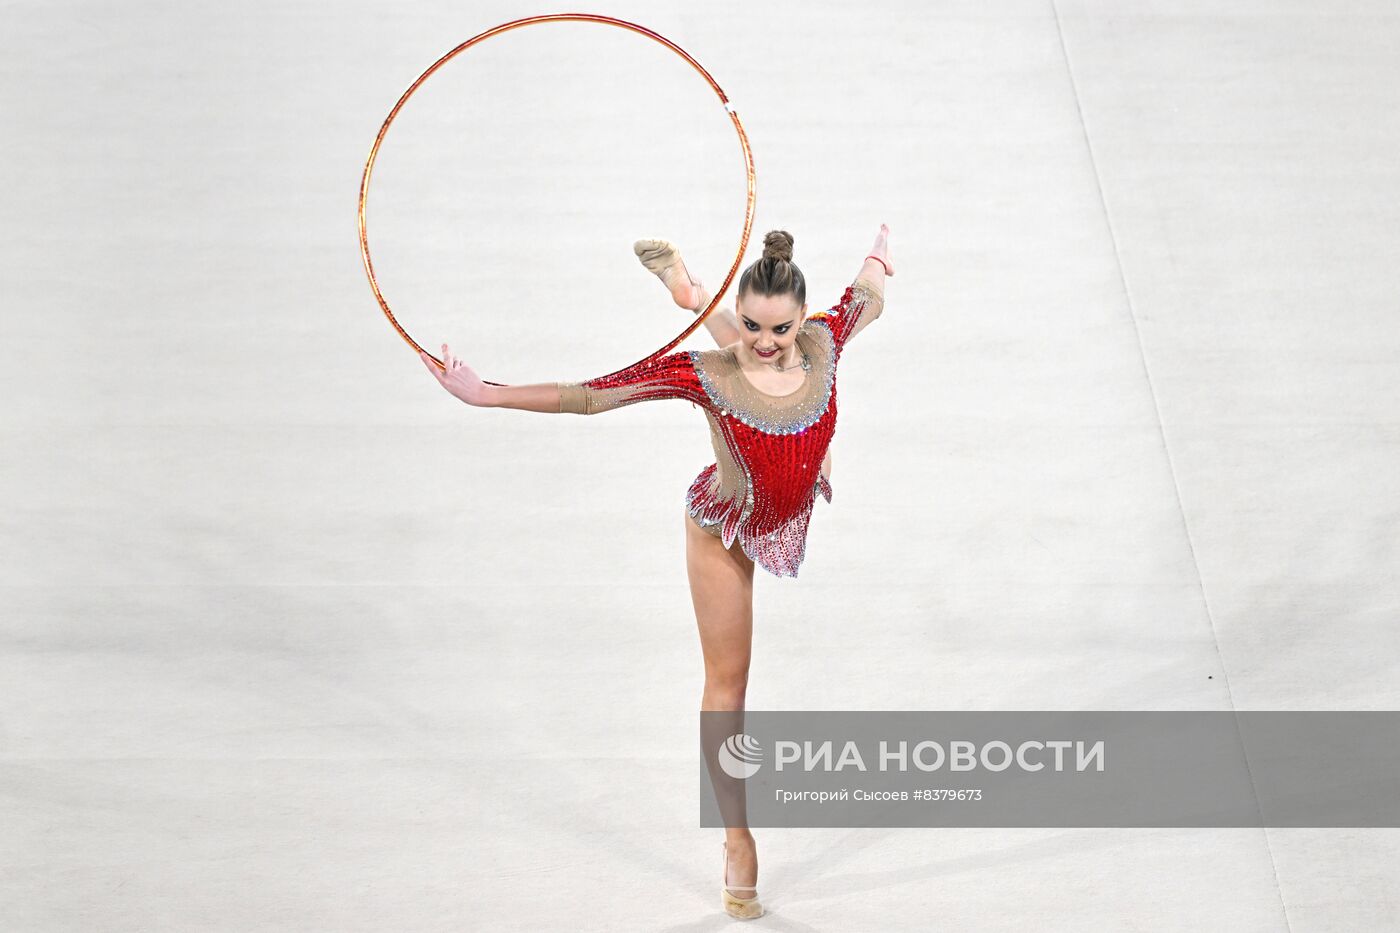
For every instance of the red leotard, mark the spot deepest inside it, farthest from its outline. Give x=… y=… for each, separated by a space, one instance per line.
x=768 y=449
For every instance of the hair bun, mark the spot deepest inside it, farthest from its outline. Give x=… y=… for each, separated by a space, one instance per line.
x=777 y=244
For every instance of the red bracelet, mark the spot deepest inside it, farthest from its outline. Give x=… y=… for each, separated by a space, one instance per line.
x=888 y=270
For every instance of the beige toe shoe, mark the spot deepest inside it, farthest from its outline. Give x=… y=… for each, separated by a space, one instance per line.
x=741 y=908
x=656 y=255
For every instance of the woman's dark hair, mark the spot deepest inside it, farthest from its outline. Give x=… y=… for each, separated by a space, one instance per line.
x=775 y=273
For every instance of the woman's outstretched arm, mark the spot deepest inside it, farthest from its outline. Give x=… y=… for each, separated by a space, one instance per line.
x=461 y=381
x=873 y=272
x=872 y=278
x=670 y=376
x=877 y=263
x=538 y=396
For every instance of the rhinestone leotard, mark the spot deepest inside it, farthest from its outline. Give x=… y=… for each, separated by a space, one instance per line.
x=768 y=449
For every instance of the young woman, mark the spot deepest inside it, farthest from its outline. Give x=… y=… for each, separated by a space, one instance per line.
x=769 y=395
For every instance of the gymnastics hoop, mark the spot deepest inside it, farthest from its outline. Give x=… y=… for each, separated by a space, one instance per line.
x=557 y=18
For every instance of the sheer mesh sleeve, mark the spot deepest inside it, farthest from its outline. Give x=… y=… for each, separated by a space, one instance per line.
x=670 y=376
x=862 y=301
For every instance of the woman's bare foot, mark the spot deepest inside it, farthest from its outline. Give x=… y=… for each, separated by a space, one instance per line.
x=663 y=258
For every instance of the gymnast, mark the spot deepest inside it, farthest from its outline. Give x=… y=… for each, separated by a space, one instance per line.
x=769 y=395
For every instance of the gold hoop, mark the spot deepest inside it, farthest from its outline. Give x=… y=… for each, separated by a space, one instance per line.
x=527 y=21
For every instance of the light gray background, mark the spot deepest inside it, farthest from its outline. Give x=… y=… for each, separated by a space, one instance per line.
x=290 y=639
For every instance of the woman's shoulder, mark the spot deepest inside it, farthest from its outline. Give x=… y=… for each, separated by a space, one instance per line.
x=816 y=329
x=720 y=357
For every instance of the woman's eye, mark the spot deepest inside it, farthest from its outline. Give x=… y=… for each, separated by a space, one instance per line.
x=751 y=325
x=781 y=330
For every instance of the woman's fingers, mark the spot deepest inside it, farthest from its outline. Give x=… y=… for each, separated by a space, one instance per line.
x=454 y=375
x=432 y=366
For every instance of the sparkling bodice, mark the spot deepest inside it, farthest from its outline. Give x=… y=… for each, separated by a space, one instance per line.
x=768 y=449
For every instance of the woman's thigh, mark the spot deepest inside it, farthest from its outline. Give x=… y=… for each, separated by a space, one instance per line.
x=721 y=588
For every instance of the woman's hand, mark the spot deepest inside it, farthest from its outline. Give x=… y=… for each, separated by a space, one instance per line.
x=458 y=378
x=881 y=250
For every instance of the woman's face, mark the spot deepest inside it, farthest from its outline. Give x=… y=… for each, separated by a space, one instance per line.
x=768 y=324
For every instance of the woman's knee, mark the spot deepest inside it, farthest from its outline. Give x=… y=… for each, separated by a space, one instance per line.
x=725 y=693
